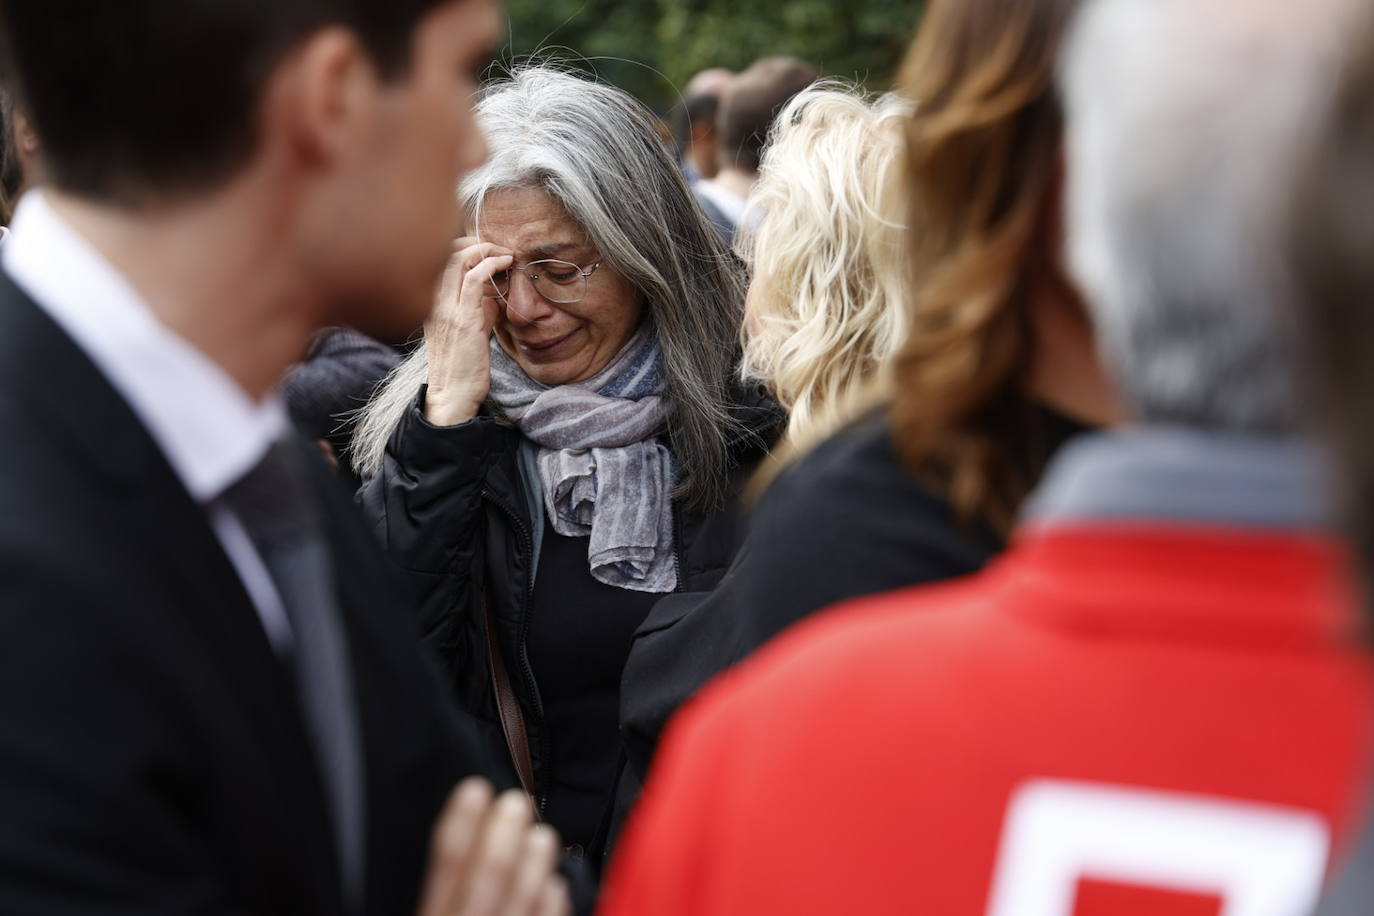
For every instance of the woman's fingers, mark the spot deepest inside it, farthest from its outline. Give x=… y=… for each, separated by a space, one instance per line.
x=534 y=871
x=458 y=332
x=457 y=336
x=463 y=291
x=475 y=251
x=481 y=273
x=498 y=856
x=455 y=840
x=489 y=858
x=554 y=900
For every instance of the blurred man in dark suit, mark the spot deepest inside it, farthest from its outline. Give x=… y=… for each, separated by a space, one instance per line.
x=212 y=701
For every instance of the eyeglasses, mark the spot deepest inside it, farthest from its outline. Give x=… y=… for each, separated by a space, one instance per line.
x=556 y=281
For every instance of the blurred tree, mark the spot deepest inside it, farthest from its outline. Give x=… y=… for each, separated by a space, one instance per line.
x=652 y=47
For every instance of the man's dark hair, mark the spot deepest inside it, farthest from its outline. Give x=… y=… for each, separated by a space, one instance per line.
x=694 y=110
x=752 y=102
x=153 y=97
x=702 y=108
x=11 y=169
x=1331 y=232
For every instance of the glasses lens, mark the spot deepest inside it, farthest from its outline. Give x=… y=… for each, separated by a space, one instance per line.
x=558 y=281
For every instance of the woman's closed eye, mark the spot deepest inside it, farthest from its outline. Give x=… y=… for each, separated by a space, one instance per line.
x=559 y=273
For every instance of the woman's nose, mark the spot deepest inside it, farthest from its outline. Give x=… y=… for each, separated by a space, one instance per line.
x=524 y=305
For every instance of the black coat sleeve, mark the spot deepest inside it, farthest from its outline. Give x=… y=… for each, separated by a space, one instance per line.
x=337 y=377
x=425 y=506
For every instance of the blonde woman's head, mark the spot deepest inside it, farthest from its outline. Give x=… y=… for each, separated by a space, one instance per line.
x=827 y=251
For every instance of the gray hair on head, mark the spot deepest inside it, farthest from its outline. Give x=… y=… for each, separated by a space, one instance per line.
x=595 y=150
x=1182 y=116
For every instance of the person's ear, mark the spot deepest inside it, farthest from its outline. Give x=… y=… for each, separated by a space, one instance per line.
x=323 y=99
x=25 y=137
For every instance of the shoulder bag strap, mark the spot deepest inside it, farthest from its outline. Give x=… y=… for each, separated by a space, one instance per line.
x=508 y=706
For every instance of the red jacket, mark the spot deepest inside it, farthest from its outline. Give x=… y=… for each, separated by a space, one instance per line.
x=1114 y=718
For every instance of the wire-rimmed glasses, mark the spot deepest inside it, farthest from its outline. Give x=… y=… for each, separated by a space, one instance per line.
x=556 y=281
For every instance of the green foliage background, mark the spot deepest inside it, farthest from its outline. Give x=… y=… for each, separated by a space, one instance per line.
x=652 y=47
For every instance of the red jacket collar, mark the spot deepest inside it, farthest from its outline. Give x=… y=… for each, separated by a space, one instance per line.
x=1171 y=580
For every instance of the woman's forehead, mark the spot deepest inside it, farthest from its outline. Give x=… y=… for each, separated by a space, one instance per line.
x=531 y=223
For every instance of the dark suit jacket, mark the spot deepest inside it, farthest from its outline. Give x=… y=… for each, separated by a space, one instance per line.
x=153 y=758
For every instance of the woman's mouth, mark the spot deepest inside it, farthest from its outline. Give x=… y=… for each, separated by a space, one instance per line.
x=547 y=348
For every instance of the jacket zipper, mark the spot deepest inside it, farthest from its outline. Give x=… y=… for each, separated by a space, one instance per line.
x=542 y=800
x=677 y=547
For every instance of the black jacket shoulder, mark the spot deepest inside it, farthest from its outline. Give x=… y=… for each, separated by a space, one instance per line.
x=845 y=520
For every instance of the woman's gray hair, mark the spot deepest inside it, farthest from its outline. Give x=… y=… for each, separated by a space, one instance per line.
x=597 y=151
x=1181 y=119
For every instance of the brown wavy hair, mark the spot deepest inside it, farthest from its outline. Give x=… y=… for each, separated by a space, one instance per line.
x=982 y=179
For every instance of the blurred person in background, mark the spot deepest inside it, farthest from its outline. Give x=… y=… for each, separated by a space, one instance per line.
x=568 y=445
x=19 y=161
x=1152 y=701
x=212 y=700
x=1330 y=232
x=991 y=358
x=325 y=392
x=698 y=141
x=750 y=103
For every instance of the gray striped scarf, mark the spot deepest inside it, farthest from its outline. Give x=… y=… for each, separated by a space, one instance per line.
x=605 y=474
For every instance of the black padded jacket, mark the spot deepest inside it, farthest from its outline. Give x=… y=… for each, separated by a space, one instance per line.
x=455 y=510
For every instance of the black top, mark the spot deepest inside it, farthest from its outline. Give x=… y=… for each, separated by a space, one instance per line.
x=846 y=520
x=580 y=632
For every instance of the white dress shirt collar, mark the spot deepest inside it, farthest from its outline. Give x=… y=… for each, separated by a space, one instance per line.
x=208 y=427
x=732 y=205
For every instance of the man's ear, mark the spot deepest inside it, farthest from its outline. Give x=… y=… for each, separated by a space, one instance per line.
x=24 y=135
x=322 y=99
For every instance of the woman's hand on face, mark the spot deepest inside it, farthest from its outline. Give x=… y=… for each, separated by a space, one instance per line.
x=458 y=331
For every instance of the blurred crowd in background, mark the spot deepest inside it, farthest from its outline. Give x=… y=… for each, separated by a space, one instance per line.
x=808 y=458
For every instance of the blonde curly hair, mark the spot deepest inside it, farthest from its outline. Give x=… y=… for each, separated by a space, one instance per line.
x=825 y=242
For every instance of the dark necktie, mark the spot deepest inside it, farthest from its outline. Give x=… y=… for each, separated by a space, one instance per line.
x=285 y=528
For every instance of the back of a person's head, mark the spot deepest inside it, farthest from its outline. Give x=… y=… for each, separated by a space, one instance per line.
x=1329 y=231
x=695 y=110
x=750 y=104
x=148 y=98
x=981 y=185
x=700 y=103
x=826 y=311
x=1183 y=117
